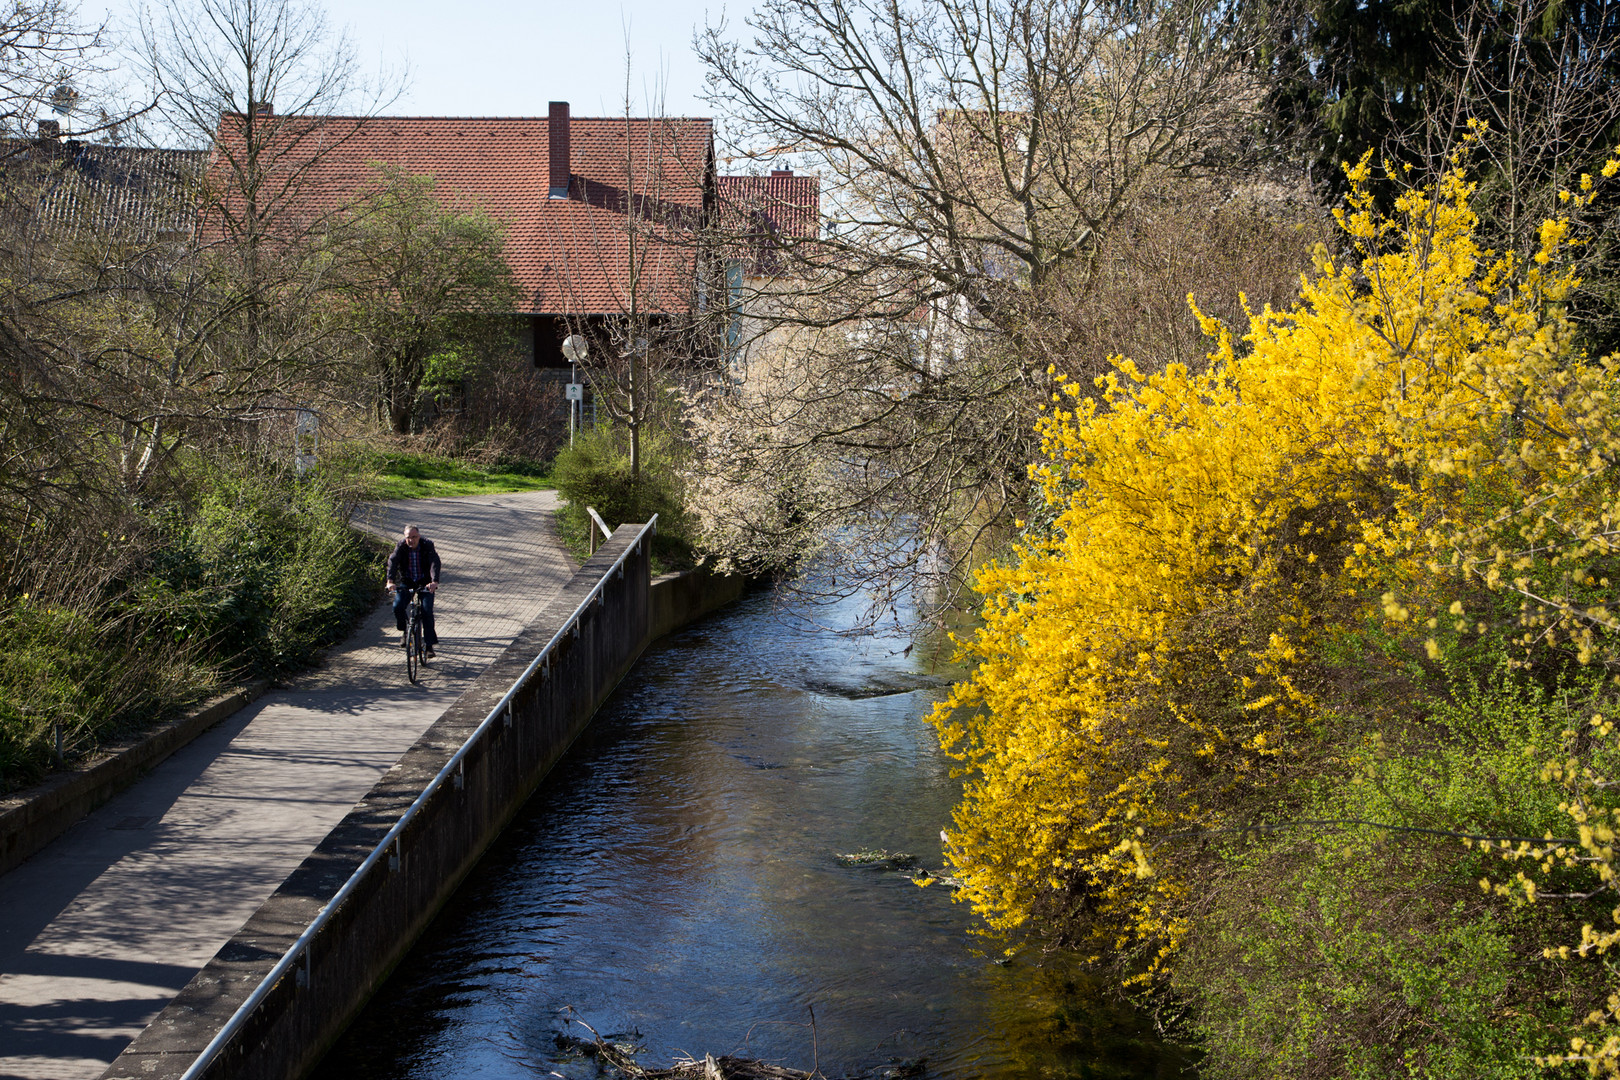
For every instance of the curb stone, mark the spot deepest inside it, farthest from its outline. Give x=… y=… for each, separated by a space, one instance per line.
x=32 y=818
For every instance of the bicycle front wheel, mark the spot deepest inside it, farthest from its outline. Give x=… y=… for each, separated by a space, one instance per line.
x=413 y=644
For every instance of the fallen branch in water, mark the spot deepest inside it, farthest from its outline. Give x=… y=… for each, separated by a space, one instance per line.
x=621 y=1059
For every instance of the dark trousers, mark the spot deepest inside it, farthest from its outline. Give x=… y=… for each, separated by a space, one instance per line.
x=402 y=599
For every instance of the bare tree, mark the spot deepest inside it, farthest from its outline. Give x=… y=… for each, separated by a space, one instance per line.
x=257 y=81
x=267 y=61
x=648 y=250
x=1535 y=95
x=236 y=303
x=44 y=53
x=982 y=162
x=972 y=149
x=58 y=315
x=641 y=345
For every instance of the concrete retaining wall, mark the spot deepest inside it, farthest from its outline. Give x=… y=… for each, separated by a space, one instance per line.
x=372 y=931
x=678 y=599
x=34 y=817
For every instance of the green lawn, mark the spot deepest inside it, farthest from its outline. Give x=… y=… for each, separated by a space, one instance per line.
x=411 y=476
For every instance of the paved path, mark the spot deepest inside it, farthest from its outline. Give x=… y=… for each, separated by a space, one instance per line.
x=102 y=928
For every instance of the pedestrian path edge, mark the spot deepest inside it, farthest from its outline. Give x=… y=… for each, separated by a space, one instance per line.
x=32 y=818
x=597 y=627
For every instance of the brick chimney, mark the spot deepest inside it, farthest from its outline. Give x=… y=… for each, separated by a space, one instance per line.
x=561 y=161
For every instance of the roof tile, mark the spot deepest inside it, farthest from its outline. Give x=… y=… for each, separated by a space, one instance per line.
x=758 y=212
x=570 y=256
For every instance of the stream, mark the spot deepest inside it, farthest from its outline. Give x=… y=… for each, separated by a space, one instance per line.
x=723 y=857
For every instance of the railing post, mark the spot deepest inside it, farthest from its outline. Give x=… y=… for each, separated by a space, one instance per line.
x=597 y=523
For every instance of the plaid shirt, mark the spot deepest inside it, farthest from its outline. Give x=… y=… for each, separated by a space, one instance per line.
x=414 y=567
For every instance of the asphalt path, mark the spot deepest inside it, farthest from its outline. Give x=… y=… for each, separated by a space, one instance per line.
x=102 y=928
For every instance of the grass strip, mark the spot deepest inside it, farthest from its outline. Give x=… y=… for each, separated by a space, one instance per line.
x=415 y=476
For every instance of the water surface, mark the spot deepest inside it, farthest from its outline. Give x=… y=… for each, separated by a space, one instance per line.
x=676 y=883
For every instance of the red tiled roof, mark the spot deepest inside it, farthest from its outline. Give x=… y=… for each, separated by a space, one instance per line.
x=758 y=212
x=570 y=256
x=790 y=204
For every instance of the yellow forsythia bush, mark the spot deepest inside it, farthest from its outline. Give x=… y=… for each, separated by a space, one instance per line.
x=1418 y=430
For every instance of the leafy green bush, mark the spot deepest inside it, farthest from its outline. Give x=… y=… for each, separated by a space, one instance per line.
x=84 y=673
x=595 y=472
x=443 y=375
x=1330 y=948
x=260 y=567
x=244 y=571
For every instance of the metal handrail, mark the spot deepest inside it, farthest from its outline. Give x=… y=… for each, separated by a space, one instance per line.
x=598 y=523
x=301 y=946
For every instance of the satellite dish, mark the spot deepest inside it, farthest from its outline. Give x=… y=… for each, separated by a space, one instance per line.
x=64 y=99
x=575 y=348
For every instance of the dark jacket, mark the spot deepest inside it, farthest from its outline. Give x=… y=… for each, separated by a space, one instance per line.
x=400 y=560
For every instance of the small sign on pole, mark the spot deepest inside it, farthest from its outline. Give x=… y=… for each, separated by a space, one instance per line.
x=306 y=438
x=576 y=391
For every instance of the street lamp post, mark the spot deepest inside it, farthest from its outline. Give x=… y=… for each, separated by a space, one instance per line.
x=574 y=347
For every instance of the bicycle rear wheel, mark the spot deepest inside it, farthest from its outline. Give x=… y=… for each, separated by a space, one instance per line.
x=413 y=639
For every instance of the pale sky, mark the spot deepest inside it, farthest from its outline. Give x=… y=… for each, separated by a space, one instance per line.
x=492 y=58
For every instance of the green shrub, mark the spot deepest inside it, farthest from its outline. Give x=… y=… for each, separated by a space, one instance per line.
x=261 y=567
x=1345 y=950
x=443 y=375
x=89 y=674
x=595 y=472
x=246 y=570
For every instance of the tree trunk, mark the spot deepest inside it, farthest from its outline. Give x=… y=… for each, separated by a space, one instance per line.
x=635 y=417
x=400 y=401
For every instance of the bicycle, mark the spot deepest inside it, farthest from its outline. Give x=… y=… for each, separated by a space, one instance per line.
x=415 y=637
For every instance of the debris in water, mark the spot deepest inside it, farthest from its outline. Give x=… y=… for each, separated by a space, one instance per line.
x=899 y=862
x=879 y=859
x=619 y=1059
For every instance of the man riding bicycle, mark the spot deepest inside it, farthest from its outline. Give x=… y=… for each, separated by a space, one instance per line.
x=414 y=567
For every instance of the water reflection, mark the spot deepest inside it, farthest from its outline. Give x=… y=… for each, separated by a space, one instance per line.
x=675 y=883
